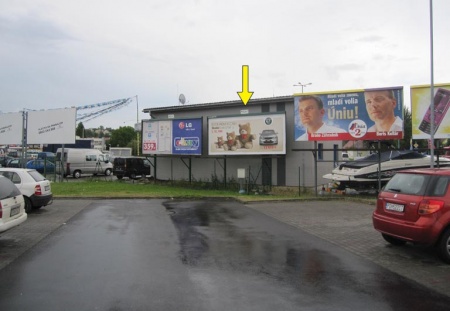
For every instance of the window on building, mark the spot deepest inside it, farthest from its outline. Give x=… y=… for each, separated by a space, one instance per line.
x=320 y=152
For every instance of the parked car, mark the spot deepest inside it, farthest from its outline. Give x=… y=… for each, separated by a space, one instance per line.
x=14 y=162
x=414 y=206
x=4 y=159
x=35 y=188
x=12 y=205
x=45 y=155
x=132 y=167
x=42 y=166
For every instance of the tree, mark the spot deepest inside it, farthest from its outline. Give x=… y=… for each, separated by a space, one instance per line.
x=89 y=133
x=80 y=130
x=407 y=128
x=123 y=137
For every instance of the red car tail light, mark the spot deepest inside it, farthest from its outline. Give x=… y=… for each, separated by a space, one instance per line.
x=430 y=206
x=37 y=190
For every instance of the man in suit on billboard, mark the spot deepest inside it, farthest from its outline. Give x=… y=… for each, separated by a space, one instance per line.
x=311 y=112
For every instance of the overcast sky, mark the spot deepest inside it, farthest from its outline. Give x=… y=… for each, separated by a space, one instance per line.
x=61 y=53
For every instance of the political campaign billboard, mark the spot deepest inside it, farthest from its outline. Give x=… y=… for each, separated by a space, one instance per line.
x=177 y=136
x=366 y=114
x=421 y=111
x=247 y=134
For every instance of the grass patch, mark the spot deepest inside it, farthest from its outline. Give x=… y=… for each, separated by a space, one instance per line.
x=126 y=189
x=129 y=190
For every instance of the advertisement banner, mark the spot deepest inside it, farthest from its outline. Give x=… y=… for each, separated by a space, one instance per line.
x=178 y=136
x=56 y=126
x=247 y=134
x=369 y=114
x=421 y=112
x=11 y=128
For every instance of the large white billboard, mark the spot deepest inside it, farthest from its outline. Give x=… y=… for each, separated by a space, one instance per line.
x=55 y=126
x=247 y=134
x=11 y=125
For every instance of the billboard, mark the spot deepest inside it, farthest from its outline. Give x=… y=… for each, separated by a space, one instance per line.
x=368 y=114
x=421 y=112
x=247 y=134
x=55 y=126
x=178 y=136
x=11 y=125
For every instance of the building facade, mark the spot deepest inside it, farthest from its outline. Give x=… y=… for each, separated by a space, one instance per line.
x=303 y=164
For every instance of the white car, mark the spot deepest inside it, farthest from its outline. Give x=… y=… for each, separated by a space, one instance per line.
x=36 y=189
x=12 y=205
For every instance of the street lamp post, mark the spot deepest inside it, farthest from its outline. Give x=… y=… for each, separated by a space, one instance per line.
x=302 y=85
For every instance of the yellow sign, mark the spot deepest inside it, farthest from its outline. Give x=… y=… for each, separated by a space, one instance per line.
x=245 y=95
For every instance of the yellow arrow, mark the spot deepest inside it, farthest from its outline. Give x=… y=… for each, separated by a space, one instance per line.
x=245 y=95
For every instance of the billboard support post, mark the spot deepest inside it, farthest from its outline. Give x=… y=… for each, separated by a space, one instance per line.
x=24 y=138
x=315 y=167
x=431 y=88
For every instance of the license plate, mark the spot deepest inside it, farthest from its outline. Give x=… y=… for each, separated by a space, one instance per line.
x=14 y=211
x=395 y=207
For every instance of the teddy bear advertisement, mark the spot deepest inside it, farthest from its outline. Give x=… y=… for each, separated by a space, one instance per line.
x=249 y=134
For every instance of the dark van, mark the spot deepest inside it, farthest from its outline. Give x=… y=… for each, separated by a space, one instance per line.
x=132 y=167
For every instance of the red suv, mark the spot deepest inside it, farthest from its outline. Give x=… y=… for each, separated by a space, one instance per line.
x=414 y=206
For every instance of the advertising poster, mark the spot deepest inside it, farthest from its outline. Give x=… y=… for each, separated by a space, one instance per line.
x=247 y=134
x=11 y=128
x=421 y=112
x=178 y=136
x=369 y=114
x=187 y=137
x=56 y=126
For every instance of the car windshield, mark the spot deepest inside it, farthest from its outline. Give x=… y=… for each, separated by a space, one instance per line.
x=408 y=183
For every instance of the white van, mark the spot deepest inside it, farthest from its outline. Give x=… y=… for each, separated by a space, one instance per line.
x=77 y=161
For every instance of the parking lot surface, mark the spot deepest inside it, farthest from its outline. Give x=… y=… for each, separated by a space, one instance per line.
x=346 y=224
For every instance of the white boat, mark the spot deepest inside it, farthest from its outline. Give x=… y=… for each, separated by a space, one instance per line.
x=373 y=170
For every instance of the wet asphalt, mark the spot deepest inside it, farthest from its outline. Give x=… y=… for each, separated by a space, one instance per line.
x=212 y=255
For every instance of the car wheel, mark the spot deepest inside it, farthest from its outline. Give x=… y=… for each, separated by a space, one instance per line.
x=76 y=174
x=443 y=246
x=108 y=172
x=133 y=176
x=392 y=240
x=28 y=206
x=119 y=176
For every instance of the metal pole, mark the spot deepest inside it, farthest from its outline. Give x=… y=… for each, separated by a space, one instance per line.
x=137 y=124
x=299 y=181
x=379 y=166
x=315 y=166
x=431 y=88
x=23 y=157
